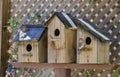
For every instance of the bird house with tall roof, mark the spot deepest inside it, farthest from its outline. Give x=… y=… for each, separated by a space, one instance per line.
x=62 y=38
x=32 y=43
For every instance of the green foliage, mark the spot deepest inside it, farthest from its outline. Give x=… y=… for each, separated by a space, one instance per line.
x=15 y=49
x=36 y=16
x=14 y=22
x=117 y=73
x=32 y=16
x=90 y=1
x=114 y=24
x=89 y=74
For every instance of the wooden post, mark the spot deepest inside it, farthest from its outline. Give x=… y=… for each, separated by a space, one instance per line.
x=4 y=35
x=61 y=72
x=0 y=34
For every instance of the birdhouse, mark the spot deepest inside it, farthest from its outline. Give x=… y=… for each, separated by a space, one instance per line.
x=62 y=39
x=32 y=43
x=76 y=40
x=92 y=43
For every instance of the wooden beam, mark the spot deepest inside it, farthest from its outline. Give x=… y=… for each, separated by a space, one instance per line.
x=65 y=66
x=4 y=35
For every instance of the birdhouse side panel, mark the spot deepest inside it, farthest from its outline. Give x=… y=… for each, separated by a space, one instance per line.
x=71 y=48
x=20 y=51
x=43 y=48
x=56 y=41
x=103 y=52
x=86 y=47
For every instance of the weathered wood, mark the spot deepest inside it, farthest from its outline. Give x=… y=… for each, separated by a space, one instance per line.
x=37 y=54
x=62 y=73
x=4 y=16
x=103 y=52
x=56 y=44
x=64 y=65
x=85 y=55
x=1 y=5
x=42 y=48
x=98 y=48
x=71 y=49
x=61 y=48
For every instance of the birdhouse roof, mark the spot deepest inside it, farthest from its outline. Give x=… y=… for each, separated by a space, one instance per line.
x=32 y=32
x=93 y=29
x=65 y=18
x=72 y=22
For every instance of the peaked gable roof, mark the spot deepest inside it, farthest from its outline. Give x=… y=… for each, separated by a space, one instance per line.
x=93 y=29
x=72 y=22
x=34 y=32
x=65 y=18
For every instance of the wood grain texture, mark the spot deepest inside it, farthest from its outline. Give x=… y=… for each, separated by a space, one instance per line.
x=61 y=48
x=62 y=73
x=64 y=65
x=1 y=2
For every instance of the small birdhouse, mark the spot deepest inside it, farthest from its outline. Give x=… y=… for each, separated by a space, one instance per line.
x=32 y=44
x=92 y=44
x=62 y=39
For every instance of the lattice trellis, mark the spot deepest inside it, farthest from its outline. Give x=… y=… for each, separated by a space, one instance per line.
x=26 y=72
x=104 y=13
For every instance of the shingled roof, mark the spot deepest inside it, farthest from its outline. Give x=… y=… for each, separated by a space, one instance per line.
x=72 y=22
x=34 y=32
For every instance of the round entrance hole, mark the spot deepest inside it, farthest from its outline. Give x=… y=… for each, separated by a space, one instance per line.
x=29 y=48
x=57 y=32
x=88 y=40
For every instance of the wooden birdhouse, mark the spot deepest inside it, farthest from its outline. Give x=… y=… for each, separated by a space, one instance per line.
x=76 y=40
x=32 y=43
x=92 y=44
x=62 y=39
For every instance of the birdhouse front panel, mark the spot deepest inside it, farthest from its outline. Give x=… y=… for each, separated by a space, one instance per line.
x=87 y=47
x=56 y=41
x=61 y=39
x=28 y=52
x=32 y=43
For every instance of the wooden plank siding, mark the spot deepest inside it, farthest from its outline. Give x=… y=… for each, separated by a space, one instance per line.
x=86 y=54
